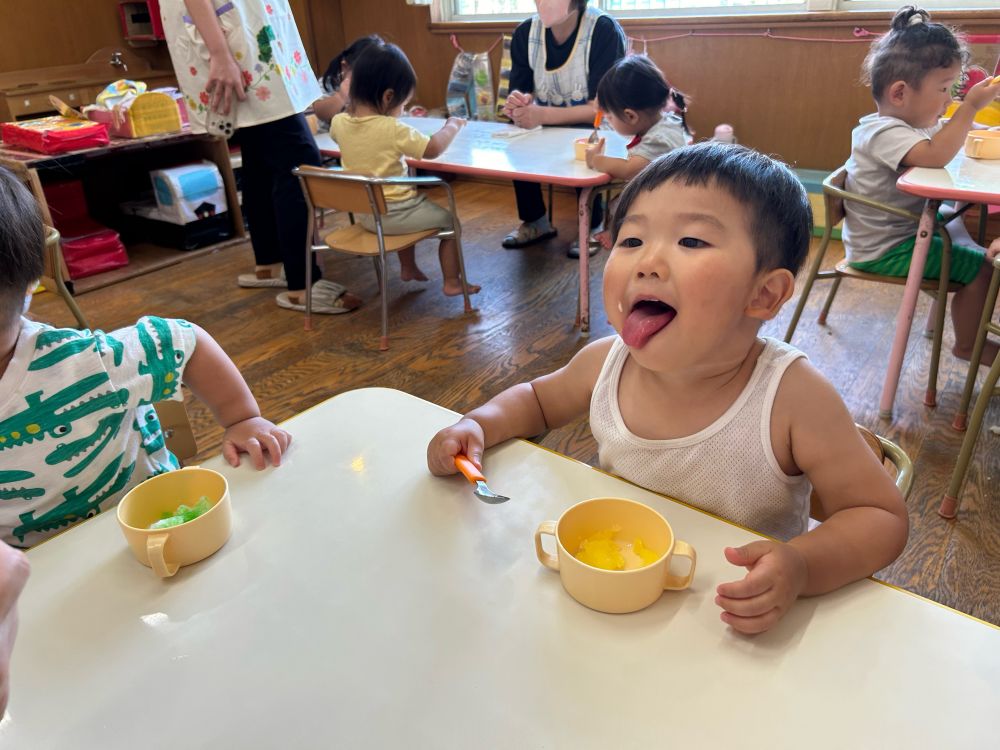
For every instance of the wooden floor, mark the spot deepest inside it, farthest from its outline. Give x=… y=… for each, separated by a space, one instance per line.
x=523 y=328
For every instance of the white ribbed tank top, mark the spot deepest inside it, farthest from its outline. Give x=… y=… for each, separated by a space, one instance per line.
x=728 y=468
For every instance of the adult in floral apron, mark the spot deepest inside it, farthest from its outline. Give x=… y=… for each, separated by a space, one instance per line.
x=557 y=59
x=242 y=61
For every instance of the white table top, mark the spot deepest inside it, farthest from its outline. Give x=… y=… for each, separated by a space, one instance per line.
x=362 y=603
x=963 y=178
x=544 y=155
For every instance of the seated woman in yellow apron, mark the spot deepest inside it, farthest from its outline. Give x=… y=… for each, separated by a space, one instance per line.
x=557 y=59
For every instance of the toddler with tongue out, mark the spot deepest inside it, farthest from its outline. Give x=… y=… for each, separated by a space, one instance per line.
x=688 y=401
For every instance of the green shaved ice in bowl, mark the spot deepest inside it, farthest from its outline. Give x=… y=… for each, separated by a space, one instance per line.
x=183 y=514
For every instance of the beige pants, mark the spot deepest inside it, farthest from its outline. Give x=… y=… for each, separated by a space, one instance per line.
x=411 y=215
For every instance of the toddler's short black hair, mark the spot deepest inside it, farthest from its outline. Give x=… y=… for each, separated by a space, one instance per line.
x=776 y=203
x=380 y=68
x=635 y=83
x=335 y=70
x=22 y=245
x=914 y=47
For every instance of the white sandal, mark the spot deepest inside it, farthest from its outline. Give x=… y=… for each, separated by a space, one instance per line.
x=257 y=280
x=327 y=299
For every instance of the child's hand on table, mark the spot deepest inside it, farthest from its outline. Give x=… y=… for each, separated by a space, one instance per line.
x=255 y=436
x=777 y=575
x=594 y=149
x=465 y=436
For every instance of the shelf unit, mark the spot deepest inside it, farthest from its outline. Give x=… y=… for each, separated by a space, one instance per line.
x=141 y=21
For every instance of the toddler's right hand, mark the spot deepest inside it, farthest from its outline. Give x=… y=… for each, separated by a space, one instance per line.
x=465 y=436
x=983 y=93
x=594 y=149
x=458 y=122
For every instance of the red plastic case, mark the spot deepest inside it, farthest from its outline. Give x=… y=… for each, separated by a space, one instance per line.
x=54 y=135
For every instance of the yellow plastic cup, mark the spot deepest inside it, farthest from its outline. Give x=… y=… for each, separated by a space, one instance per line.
x=580 y=149
x=614 y=591
x=166 y=550
x=983 y=144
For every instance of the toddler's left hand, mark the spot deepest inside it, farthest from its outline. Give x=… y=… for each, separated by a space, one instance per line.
x=993 y=250
x=255 y=436
x=777 y=575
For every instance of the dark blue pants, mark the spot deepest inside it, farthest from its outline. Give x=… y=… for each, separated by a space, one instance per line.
x=273 y=203
x=531 y=204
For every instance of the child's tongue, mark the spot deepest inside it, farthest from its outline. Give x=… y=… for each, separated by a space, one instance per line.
x=644 y=322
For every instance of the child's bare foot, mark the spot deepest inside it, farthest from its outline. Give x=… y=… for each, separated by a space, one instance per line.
x=986 y=359
x=453 y=287
x=412 y=274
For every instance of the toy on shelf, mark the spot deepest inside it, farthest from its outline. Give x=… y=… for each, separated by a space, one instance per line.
x=130 y=111
x=67 y=131
x=988 y=115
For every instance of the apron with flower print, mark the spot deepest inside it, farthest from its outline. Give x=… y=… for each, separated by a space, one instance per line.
x=265 y=44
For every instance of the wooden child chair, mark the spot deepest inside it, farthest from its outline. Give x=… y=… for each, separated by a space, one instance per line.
x=336 y=190
x=53 y=276
x=949 y=505
x=834 y=197
x=883 y=449
x=176 y=428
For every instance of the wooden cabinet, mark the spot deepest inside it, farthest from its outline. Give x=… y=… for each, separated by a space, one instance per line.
x=24 y=94
x=111 y=173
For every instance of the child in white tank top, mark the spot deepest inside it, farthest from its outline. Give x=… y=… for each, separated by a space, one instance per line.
x=688 y=400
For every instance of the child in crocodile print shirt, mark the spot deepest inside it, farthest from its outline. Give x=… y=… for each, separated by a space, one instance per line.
x=77 y=423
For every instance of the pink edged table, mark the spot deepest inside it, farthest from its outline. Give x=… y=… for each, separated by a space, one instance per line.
x=544 y=156
x=964 y=180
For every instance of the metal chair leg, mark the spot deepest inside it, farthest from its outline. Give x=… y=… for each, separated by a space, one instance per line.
x=68 y=299
x=949 y=505
x=550 y=203
x=457 y=233
x=959 y=422
x=829 y=301
x=381 y=272
x=311 y=231
x=807 y=288
x=54 y=265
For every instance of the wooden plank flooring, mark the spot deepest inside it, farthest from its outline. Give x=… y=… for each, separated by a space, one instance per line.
x=523 y=328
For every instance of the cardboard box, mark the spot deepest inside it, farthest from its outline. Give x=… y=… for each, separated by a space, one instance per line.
x=151 y=113
x=189 y=193
x=144 y=222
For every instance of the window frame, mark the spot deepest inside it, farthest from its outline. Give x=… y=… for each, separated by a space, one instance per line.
x=807 y=10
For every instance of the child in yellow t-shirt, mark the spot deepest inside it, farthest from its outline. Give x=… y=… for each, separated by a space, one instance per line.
x=373 y=141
